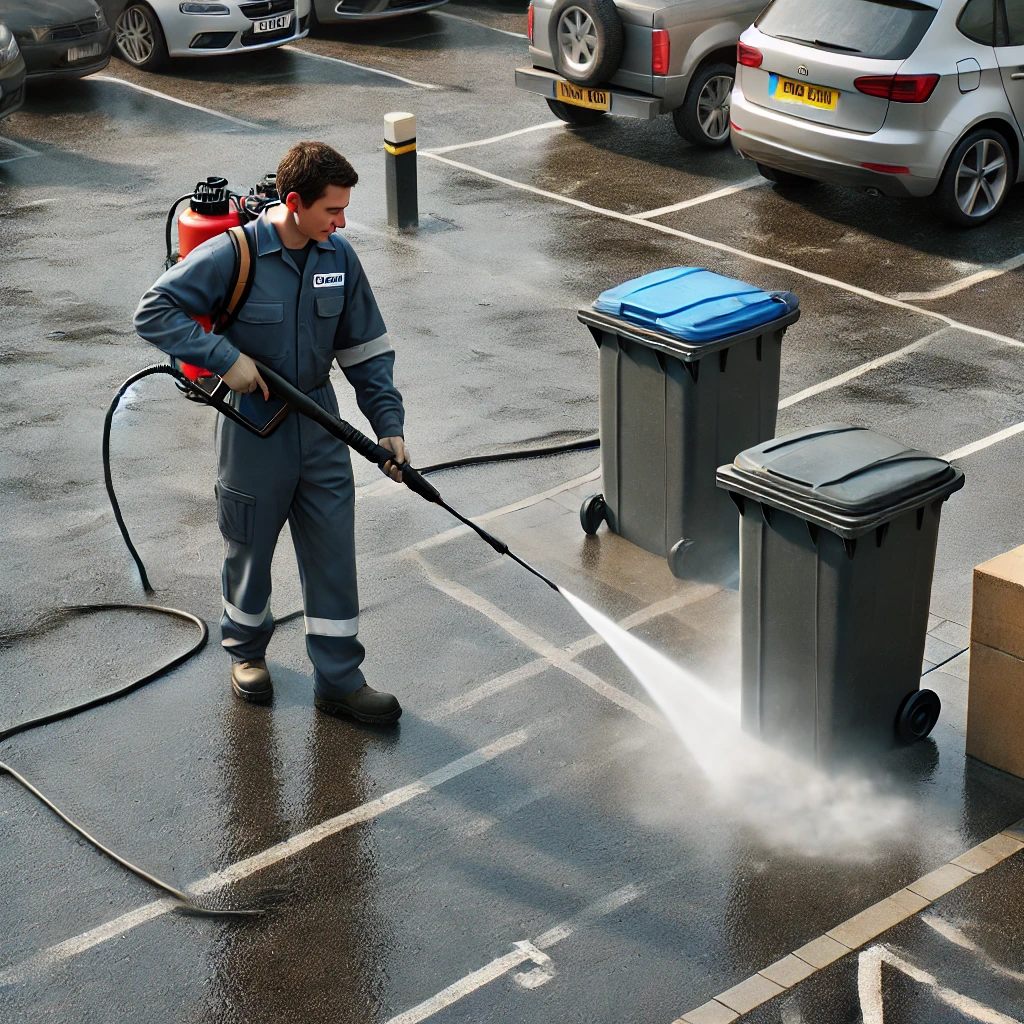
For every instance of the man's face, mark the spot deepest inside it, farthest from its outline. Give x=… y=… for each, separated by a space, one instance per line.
x=324 y=216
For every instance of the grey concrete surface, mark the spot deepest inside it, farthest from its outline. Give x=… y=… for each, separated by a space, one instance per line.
x=594 y=835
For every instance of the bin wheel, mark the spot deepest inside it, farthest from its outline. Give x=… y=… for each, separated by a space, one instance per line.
x=917 y=715
x=677 y=555
x=592 y=513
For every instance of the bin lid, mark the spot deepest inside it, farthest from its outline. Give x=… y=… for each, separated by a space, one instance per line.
x=693 y=304
x=848 y=479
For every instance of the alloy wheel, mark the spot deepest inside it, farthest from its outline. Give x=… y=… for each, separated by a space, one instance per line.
x=713 y=107
x=577 y=39
x=981 y=178
x=135 y=35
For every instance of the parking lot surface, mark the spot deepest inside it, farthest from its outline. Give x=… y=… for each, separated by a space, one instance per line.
x=532 y=843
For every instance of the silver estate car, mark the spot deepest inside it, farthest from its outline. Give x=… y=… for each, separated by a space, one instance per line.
x=638 y=58
x=908 y=97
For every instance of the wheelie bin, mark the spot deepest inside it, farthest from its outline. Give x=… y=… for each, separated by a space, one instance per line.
x=689 y=376
x=838 y=527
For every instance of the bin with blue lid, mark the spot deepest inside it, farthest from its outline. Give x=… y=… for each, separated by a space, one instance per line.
x=838 y=528
x=689 y=376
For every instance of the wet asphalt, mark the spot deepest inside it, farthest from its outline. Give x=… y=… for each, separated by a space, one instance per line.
x=550 y=799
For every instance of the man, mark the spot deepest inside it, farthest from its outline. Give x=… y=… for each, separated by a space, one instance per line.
x=310 y=302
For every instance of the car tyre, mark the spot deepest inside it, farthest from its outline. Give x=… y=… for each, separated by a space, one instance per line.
x=140 y=38
x=703 y=119
x=587 y=39
x=976 y=180
x=785 y=179
x=314 y=19
x=575 y=115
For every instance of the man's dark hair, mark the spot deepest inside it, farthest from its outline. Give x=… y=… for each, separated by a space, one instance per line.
x=309 y=167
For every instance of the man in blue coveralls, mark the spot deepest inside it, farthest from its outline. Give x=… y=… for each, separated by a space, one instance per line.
x=310 y=303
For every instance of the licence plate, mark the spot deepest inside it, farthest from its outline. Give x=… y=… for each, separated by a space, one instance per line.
x=273 y=24
x=82 y=52
x=583 y=96
x=809 y=95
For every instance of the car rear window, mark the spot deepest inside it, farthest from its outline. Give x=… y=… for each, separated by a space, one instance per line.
x=883 y=29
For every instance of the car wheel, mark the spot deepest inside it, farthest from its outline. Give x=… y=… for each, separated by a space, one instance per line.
x=703 y=119
x=785 y=179
x=976 y=180
x=586 y=40
x=314 y=19
x=575 y=115
x=140 y=39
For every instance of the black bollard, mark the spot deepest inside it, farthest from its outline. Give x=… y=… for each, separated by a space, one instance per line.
x=400 y=158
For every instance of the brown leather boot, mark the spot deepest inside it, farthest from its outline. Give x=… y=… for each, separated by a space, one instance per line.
x=251 y=681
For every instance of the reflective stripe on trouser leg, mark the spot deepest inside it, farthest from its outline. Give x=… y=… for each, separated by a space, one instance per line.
x=258 y=475
x=323 y=533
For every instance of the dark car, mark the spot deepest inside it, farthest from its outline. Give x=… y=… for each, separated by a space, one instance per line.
x=59 y=38
x=12 y=73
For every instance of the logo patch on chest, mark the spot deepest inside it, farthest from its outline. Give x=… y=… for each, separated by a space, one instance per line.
x=328 y=280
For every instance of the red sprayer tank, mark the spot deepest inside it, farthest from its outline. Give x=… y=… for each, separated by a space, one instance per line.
x=210 y=211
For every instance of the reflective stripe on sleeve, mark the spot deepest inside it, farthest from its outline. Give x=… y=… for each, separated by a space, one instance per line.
x=360 y=353
x=332 y=627
x=245 y=618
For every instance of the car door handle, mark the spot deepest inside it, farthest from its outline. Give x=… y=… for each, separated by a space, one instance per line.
x=1017 y=76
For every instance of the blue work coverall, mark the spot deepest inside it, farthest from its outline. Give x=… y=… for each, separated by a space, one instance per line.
x=295 y=324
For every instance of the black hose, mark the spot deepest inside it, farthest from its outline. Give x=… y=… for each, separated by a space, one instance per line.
x=170 y=223
x=50 y=622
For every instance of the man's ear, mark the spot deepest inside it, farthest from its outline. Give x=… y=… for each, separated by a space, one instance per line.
x=293 y=200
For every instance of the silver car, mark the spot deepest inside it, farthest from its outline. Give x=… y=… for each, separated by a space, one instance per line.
x=908 y=97
x=638 y=58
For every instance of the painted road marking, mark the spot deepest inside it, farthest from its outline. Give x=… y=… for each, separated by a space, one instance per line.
x=538 y=644
x=497 y=138
x=534 y=668
x=767 y=261
x=953 y=934
x=858 y=371
x=720 y=193
x=860 y=929
x=362 y=67
x=872 y=1005
x=522 y=953
x=26 y=152
x=985 y=442
x=985 y=274
x=480 y=24
x=251 y=865
x=174 y=99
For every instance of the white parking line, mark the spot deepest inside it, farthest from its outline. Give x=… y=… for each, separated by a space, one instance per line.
x=496 y=138
x=244 y=868
x=719 y=193
x=522 y=953
x=945 y=291
x=480 y=24
x=858 y=371
x=26 y=152
x=767 y=261
x=174 y=99
x=953 y=934
x=362 y=67
x=985 y=442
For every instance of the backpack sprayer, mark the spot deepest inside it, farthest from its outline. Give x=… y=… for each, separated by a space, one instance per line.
x=214 y=209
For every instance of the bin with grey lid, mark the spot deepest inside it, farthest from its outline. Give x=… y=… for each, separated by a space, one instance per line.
x=689 y=376
x=838 y=527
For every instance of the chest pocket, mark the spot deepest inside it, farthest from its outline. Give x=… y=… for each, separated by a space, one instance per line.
x=262 y=313
x=330 y=303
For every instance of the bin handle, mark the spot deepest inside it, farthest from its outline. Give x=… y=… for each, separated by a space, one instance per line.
x=788 y=299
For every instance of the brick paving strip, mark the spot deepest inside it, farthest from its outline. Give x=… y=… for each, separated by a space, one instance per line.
x=782 y=975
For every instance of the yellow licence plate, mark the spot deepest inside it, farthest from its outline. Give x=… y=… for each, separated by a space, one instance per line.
x=803 y=92
x=582 y=96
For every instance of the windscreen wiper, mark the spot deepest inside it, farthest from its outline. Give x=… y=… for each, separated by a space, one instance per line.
x=819 y=42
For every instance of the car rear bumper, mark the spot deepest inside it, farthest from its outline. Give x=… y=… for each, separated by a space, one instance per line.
x=622 y=102
x=836 y=156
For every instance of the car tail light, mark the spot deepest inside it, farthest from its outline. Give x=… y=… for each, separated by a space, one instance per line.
x=887 y=168
x=529 y=23
x=898 y=88
x=660 y=52
x=748 y=56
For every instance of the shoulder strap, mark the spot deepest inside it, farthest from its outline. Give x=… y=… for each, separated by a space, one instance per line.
x=243 y=278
